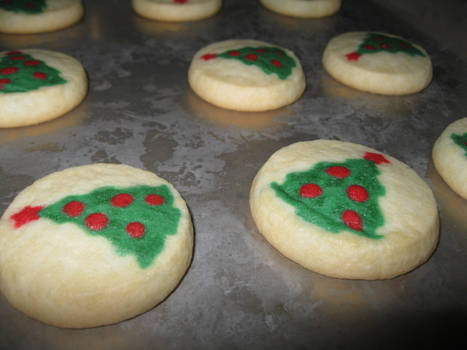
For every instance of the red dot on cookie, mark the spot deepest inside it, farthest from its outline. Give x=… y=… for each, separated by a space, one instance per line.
x=73 y=208
x=10 y=53
x=251 y=57
x=352 y=220
x=208 y=56
x=386 y=46
x=276 y=63
x=3 y=82
x=30 y=4
x=17 y=58
x=122 y=200
x=135 y=229
x=180 y=1
x=260 y=50
x=154 y=199
x=378 y=38
x=404 y=45
x=96 y=221
x=353 y=56
x=8 y=70
x=32 y=63
x=234 y=53
x=279 y=52
x=40 y=75
x=357 y=193
x=376 y=158
x=341 y=172
x=310 y=191
x=370 y=47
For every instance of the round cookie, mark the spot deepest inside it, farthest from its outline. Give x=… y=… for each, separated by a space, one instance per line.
x=450 y=156
x=176 y=10
x=93 y=245
x=36 y=16
x=303 y=8
x=38 y=85
x=345 y=210
x=378 y=63
x=246 y=75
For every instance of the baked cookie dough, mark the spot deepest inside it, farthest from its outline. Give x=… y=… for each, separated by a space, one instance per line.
x=450 y=156
x=38 y=85
x=246 y=75
x=303 y=8
x=345 y=210
x=378 y=63
x=176 y=10
x=93 y=245
x=36 y=16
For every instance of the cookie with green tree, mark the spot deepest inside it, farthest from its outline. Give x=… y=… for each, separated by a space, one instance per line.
x=344 y=210
x=107 y=232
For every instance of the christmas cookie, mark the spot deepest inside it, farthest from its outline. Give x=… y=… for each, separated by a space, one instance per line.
x=38 y=85
x=345 y=210
x=93 y=245
x=303 y=8
x=246 y=75
x=176 y=10
x=379 y=63
x=450 y=156
x=36 y=16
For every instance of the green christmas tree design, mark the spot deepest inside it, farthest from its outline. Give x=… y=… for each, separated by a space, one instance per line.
x=20 y=72
x=375 y=42
x=461 y=141
x=25 y=6
x=338 y=196
x=272 y=60
x=136 y=220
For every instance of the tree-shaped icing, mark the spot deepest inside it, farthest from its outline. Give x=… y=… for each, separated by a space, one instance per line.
x=461 y=141
x=272 y=60
x=136 y=220
x=25 y=6
x=375 y=42
x=338 y=196
x=20 y=72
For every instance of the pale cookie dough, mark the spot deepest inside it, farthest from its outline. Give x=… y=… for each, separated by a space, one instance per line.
x=303 y=8
x=36 y=16
x=93 y=245
x=450 y=156
x=176 y=10
x=38 y=85
x=378 y=63
x=345 y=210
x=246 y=75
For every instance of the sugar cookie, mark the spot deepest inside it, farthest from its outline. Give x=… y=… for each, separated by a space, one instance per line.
x=246 y=75
x=345 y=210
x=303 y=8
x=450 y=156
x=36 y=16
x=38 y=85
x=176 y=10
x=93 y=245
x=377 y=62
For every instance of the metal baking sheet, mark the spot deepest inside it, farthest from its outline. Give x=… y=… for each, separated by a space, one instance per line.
x=239 y=292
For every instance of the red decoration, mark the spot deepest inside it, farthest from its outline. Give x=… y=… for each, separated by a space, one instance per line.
x=276 y=63
x=353 y=56
x=32 y=63
x=357 y=193
x=338 y=171
x=180 y=1
x=154 y=199
x=96 y=221
x=135 y=229
x=386 y=46
x=17 y=58
x=370 y=47
x=234 y=53
x=310 y=191
x=376 y=158
x=73 y=208
x=40 y=75
x=208 y=56
x=251 y=57
x=8 y=70
x=26 y=215
x=9 y=53
x=122 y=200
x=352 y=220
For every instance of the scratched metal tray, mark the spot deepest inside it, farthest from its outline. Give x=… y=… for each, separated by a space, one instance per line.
x=239 y=292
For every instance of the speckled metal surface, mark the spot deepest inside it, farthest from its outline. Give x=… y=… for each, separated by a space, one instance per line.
x=239 y=292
